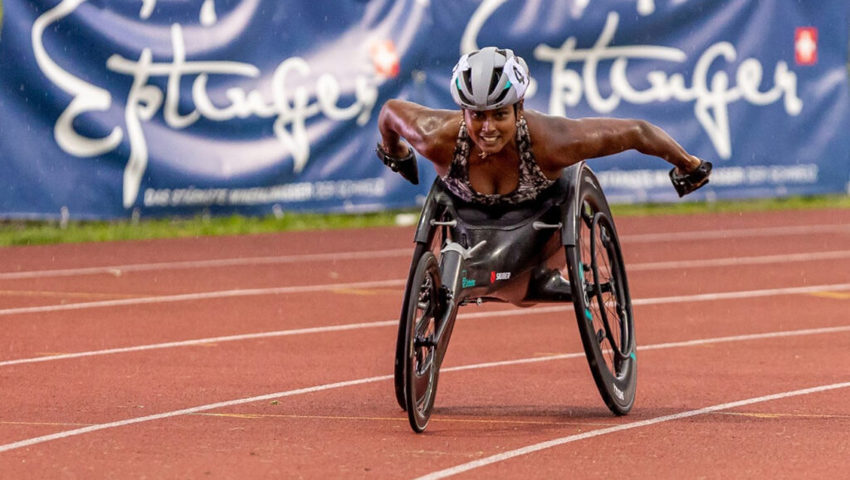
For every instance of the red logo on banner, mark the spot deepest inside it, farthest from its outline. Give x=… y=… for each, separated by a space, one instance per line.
x=806 y=45
x=385 y=59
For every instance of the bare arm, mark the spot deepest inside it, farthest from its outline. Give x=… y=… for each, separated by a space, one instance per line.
x=576 y=140
x=430 y=132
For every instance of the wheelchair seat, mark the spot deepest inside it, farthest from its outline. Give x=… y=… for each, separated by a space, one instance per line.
x=501 y=217
x=516 y=241
x=504 y=216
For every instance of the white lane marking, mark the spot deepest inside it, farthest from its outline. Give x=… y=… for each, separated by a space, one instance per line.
x=187 y=411
x=203 y=341
x=330 y=386
x=734 y=261
x=500 y=313
x=204 y=296
x=728 y=261
x=735 y=233
x=705 y=297
x=627 y=426
x=211 y=263
x=401 y=252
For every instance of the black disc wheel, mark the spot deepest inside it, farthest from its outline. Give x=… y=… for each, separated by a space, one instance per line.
x=602 y=302
x=420 y=357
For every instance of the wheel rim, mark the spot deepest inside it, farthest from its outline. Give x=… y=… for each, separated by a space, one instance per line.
x=607 y=297
x=422 y=344
x=433 y=245
x=604 y=313
x=421 y=350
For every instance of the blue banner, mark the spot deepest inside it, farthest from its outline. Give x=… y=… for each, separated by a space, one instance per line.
x=155 y=107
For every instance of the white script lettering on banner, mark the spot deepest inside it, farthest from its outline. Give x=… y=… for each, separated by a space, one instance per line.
x=711 y=95
x=486 y=9
x=144 y=99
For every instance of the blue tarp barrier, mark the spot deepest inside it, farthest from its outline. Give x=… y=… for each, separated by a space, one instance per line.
x=155 y=107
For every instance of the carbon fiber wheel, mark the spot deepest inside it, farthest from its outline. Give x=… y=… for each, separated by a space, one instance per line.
x=601 y=298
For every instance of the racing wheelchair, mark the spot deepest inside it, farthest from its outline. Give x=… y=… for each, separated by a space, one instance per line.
x=562 y=249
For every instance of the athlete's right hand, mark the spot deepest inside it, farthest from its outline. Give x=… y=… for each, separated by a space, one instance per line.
x=405 y=166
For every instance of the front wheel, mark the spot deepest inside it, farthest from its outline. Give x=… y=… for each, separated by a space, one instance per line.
x=401 y=340
x=602 y=302
x=421 y=367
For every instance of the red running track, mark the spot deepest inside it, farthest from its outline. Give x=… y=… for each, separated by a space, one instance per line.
x=271 y=356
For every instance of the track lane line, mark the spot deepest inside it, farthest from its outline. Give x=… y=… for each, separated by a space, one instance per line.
x=734 y=261
x=703 y=297
x=348 y=383
x=187 y=411
x=650 y=266
x=501 y=457
x=117 y=270
x=735 y=233
x=202 y=341
x=183 y=297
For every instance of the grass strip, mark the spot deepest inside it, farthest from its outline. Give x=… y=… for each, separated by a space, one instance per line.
x=50 y=232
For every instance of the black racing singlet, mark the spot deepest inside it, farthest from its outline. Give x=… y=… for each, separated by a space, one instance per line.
x=531 y=182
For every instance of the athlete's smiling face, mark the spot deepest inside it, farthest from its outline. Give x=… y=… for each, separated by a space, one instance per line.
x=491 y=130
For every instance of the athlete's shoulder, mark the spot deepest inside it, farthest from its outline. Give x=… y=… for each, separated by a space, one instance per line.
x=553 y=140
x=431 y=132
x=550 y=128
x=542 y=122
x=420 y=116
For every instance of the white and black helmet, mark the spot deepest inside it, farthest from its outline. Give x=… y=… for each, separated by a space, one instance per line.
x=488 y=79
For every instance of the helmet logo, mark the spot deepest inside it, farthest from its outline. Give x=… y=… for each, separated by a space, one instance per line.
x=518 y=75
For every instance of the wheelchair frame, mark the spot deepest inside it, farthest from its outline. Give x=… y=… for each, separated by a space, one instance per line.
x=471 y=242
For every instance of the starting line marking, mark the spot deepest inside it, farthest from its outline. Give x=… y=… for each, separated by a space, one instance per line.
x=493 y=459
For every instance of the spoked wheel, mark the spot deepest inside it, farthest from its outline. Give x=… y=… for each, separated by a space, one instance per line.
x=601 y=298
x=401 y=342
x=434 y=245
x=421 y=367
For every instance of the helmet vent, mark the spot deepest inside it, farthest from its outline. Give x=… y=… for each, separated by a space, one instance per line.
x=467 y=79
x=481 y=81
x=463 y=97
x=494 y=80
x=502 y=95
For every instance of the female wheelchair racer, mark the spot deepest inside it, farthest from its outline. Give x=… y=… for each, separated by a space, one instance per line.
x=501 y=212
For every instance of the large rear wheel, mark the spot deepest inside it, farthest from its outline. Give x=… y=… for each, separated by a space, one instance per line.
x=601 y=298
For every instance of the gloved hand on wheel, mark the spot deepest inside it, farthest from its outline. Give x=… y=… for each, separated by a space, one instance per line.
x=405 y=166
x=688 y=182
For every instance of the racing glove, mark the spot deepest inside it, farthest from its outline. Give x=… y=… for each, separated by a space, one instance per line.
x=688 y=182
x=406 y=166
